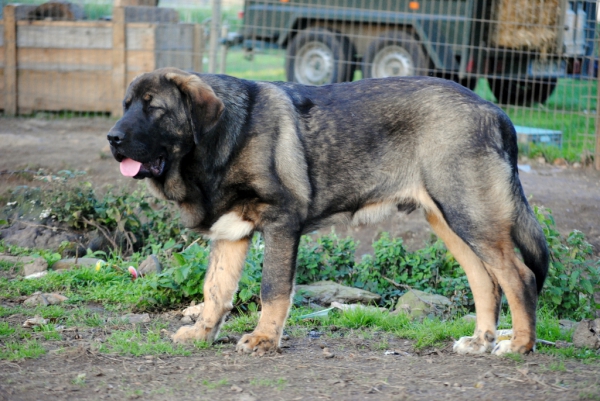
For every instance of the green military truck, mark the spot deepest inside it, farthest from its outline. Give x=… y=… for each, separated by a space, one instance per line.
x=520 y=46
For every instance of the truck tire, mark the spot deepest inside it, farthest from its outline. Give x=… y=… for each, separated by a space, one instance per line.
x=520 y=92
x=318 y=56
x=395 y=53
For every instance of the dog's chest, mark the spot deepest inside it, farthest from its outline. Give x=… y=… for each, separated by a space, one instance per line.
x=230 y=226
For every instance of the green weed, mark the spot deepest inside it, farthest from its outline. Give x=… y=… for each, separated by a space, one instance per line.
x=213 y=385
x=6 y=330
x=14 y=350
x=136 y=343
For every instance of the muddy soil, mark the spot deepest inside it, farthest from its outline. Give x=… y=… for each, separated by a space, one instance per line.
x=356 y=368
x=359 y=368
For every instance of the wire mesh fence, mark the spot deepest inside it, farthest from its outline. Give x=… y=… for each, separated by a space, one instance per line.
x=538 y=59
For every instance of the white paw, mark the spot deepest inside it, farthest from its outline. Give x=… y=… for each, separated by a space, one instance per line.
x=472 y=345
x=502 y=348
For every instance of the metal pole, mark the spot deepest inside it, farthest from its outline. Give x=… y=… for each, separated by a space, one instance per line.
x=597 y=153
x=215 y=32
x=224 y=33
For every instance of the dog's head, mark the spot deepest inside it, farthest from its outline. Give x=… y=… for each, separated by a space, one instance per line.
x=166 y=112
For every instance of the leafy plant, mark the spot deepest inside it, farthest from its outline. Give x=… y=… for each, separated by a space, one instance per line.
x=573 y=275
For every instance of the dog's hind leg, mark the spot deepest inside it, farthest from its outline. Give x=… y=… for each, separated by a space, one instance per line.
x=221 y=282
x=485 y=288
x=519 y=285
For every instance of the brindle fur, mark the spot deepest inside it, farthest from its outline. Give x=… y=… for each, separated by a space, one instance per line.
x=284 y=159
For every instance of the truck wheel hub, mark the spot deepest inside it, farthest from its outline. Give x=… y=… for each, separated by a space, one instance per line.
x=314 y=64
x=393 y=61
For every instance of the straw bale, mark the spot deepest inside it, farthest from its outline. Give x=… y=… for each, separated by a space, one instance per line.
x=527 y=24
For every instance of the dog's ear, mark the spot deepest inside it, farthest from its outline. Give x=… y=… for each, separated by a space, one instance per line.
x=206 y=107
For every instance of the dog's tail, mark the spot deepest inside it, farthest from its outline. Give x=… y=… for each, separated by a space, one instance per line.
x=529 y=237
x=526 y=233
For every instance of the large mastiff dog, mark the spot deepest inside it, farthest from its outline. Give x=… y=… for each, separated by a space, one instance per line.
x=284 y=159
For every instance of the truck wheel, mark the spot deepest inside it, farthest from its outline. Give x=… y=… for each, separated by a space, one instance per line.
x=395 y=53
x=520 y=92
x=318 y=56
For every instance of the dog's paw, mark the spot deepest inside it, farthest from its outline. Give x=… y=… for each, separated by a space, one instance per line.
x=472 y=345
x=191 y=333
x=257 y=344
x=509 y=347
x=502 y=348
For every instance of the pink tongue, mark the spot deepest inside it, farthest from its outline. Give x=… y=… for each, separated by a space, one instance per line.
x=130 y=168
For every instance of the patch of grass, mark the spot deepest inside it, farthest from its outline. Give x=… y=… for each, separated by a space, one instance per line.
x=241 y=323
x=6 y=330
x=263 y=66
x=517 y=358
x=557 y=366
x=569 y=110
x=48 y=331
x=279 y=383
x=14 y=350
x=80 y=380
x=80 y=285
x=5 y=265
x=136 y=343
x=213 y=385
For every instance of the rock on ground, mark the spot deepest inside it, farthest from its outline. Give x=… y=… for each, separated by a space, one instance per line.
x=45 y=299
x=326 y=292
x=67 y=264
x=37 y=265
x=587 y=334
x=418 y=304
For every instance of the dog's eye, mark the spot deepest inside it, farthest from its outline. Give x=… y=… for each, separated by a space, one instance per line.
x=153 y=107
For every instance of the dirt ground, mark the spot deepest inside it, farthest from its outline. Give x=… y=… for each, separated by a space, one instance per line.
x=359 y=369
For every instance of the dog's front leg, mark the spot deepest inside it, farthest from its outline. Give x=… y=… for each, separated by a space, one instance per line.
x=276 y=291
x=221 y=282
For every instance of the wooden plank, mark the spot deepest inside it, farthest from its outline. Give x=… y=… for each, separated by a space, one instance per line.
x=174 y=46
x=66 y=24
x=140 y=37
x=131 y=3
x=1 y=86
x=198 y=48
x=119 y=59
x=10 y=63
x=54 y=91
x=65 y=37
x=139 y=61
x=64 y=59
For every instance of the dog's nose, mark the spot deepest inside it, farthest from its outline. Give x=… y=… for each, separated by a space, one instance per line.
x=115 y=138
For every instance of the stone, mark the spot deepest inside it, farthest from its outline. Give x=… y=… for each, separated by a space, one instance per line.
x=560 y=162
x=587 y=334
x=418 y=304
x=193 y=311
x=326 y=292
x=31 y=234
x=16 y=259
x=150 y=265
x=37 y=265
x=35 y=321
x=45 y=299
x=567 y=325
x=136 y=318
x=71 y=263
x=470 y=318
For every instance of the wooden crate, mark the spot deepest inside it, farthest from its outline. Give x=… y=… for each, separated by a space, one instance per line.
x=86 y=65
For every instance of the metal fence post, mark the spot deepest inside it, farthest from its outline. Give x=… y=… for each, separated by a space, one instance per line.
x=214 y=36
x=119 y=60
x=10 y=61
x=597 y=152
